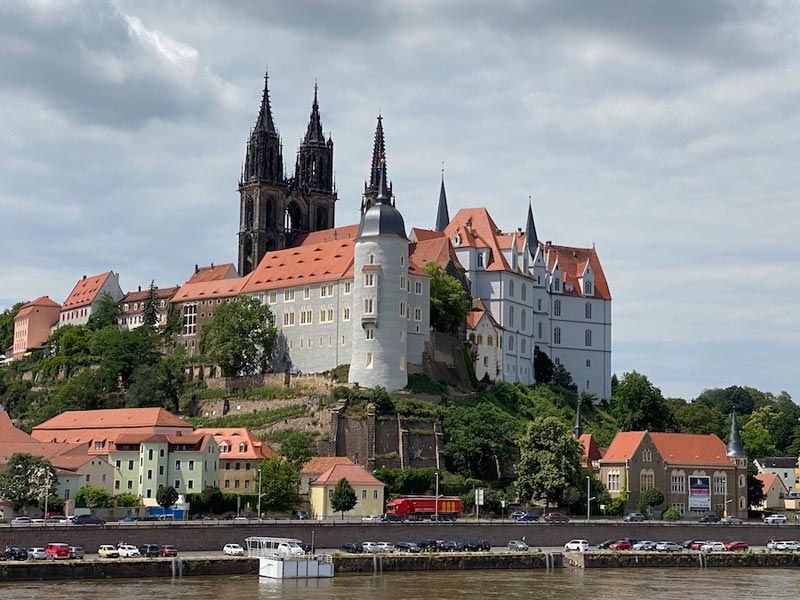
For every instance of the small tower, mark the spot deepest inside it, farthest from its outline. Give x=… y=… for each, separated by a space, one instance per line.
x=442 y=215
x=378 y=164
x=531 y=239
x=735 y=450
x=380 y=266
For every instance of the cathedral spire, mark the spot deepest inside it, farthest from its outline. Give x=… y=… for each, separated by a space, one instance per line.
x=378 y=156
x=531 y=239
x=314 y=131
x=383 y=196
x=264 y=121
x=442 y=216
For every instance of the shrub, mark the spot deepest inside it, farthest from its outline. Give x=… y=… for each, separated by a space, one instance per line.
x=671 y=514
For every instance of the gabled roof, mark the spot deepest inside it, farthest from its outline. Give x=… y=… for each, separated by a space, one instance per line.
x=674 y=448
x=335 y=234
x=30 y=307
x=354 y=474
x=435 y=249
x=112 y=417
x=591 y=451
x=255 y=449
x=85 y=291
x=477 y=312
x=572 y=262
x=213 y=273
x=206 y=290
x=319 y=464
x=777 y=462
x=418 y=234
x=143 y=295
x=13 y=440
x=769 y=479
x=476 y=229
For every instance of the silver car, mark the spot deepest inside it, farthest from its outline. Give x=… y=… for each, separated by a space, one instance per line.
x=76 y=552
x=36 y=553
x=668 y=547
x=517 y=546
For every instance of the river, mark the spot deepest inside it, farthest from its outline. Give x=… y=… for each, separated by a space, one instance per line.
x=593 y=584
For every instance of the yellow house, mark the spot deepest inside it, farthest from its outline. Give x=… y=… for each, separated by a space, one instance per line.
x=774 y=492
x=369 y=491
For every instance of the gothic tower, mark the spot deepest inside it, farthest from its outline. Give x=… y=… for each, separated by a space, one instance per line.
x=378 y=164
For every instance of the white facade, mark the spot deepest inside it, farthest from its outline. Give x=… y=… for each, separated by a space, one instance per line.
x=85 y=297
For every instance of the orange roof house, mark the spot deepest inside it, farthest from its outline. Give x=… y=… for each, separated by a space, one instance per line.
x=369 y=490
x=774 y=492
x=213 y=273
x=133 y=306
x=83 y=298
x=316 y=467
x=33 y=324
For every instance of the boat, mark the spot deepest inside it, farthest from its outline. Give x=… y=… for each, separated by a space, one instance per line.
x=284 y=558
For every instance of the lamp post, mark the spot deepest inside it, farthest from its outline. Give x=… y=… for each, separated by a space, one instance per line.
x=436 y=499
x=259 y=496
x=46 y=493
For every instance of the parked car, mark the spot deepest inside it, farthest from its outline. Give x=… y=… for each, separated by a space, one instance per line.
x=527 y=517
x=483 y=545
x=56 y=550
x=775 y=519
x=130 y=519
x=352 y=548
x=731 y=520
x=697 y=544
x=785 y=545
x=15 y=553
x=128 y=551
x=408 y=547
x=386 y=547
x=168 y=550
x=605 y=544
x=620 y=545
x=21 y=521
x=371 y=547
x=371 y=519
x=428 y=544
x=233 y=550
x=667 y=546
x=517 y=514
x=451 y=546
x=577 y=545
x=57 y=520
x=713 y=547
x=634 y=517
x=517 y=546
x=108 y=551
x=644 y=545
x=148 y=550
x=36 y=553
x=556 y=517
x=76 y=552
x=709 y=518
x=736 y=546
x=88 y=520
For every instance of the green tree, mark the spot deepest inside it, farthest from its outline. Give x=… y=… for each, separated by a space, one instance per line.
x=542 y=366
x=449 y=302
x=166 y=496
x=638 y=405
x=562 y=378
x=696 y=417
x=118 y=353
x=671 y=514
x=279 y=482
x=150 y=312
x=730 y=399
x=649 y=499
x=213 y=499
x=93 y=497
x=159 y=384
x=240 y=337
x=755 y=490
x=550 y=460
x=7 y=325
x=756 y=436
x=106 y=313
x=343 y=497
x=127 y=500
x=299 y=447
x=27 y=479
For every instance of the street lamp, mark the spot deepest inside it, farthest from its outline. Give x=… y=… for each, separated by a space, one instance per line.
x=259 y=496
x=436 y=499
x=589 y=497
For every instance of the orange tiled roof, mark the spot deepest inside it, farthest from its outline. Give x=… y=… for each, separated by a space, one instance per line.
x=572 y=262
x=143 y=295
x=40 y=302
x=354 y=474
x=477 y=312
x=232 y=437
x=213 y=273
x=476 y=229
x=13 y=440
x=206 y=290
x=348 y=232
x=138 y=438
x=591 y=451
x=320 y=464
x=768 y=480
x=674 y=448
x=85 y=291
x=437 y=249
x=422 y=235
x=112 y=418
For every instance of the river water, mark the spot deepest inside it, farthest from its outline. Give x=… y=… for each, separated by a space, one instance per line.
x=590 y=584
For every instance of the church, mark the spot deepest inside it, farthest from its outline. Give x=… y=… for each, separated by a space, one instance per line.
x=358 y=294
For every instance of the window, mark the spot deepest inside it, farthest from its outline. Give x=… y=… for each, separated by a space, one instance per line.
x=273 y=297
x=326 y=290
x=150 y=454
x=418 y=287
x=227 y=466
x=557 y=335
x=363 y=494
x=161 y=470
x=288 y=318
x=190 y=484
x=306 y=293
x=418 y=313
x=161 y=453
x=680 y=507
x=326 y=315
x=480 y=259
x=177 y=485
x=587 y=287
x=149 y=473
x=613 y=482
x=588 y=362
x=557 y=284
x=368 y=361
x=189 y=319
x=130 y=484
x=88 y=478
x=511 y=288
x=540 y=329
x=523 y=320
x=369 y=332
x=346 y=313
x=402 y=282
x=587 y=310
x=191 y=465
x=490 y=340
x=402 y=261
x=647 y=481
x=524 y=291
x=227 y=483
x=305 y=316
x=510 y=316
x=116 y=485
x=372 y=259
x=177 y=465
x=402 y=308
x=522 y=345
x=678 y=483
x=288 y=295
x=511 y=343
x=720 y=484
x=369 y=279
x=247 y=484
x=118 y=464
x=557 y=308
x=587 y=337
x=237 y=466
x=347 y=286
x=130 y=465
x=375 y=494
x=369 y=306
x=647 y=455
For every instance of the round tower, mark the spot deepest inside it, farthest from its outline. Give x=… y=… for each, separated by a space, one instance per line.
x=380 y=267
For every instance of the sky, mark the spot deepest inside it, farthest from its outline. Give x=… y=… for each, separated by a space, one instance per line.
x=667 y=133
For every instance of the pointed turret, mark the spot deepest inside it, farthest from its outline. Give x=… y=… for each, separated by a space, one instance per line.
x=314 y=130
x=531 y=239
x=442 y=215
x=314 y=167
x=735 y=447
x=264 y=121
x=378 y=164
x=264 y=157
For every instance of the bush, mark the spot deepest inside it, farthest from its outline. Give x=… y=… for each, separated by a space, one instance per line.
x=671 y=514
x=419 y=383
x=616 y=507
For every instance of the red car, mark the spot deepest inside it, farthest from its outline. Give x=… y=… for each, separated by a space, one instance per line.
x=555 y=517
x=737 y=546
x=620 y=545
x=168 y=551
x=695 y=545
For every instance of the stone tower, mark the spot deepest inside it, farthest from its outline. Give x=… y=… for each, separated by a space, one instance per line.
x=274 y=209
x=380 y=339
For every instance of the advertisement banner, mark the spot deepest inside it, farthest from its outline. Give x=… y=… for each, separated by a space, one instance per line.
x=699 y=492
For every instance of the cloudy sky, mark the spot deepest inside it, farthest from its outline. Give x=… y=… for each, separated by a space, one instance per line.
x=667 y=133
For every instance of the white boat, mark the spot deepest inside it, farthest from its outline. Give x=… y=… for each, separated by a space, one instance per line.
x=284 y=558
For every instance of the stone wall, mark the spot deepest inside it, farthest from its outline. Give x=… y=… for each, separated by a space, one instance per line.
x=317 y=384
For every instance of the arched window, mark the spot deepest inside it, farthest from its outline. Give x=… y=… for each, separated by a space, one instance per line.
x=523 y=318
x=248 y=213
x=557 y=308
x=524 y=291
x=557 y=284
x=510 y=316
x=522 y=345
x=587 y=310
x=557 y=335
x=587 y=287
x=587 y=337
x=540 y=329
x=511 y=288
x=511 y=343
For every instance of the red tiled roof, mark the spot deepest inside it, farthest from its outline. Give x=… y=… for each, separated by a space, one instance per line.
x=348 y=232
x=422 y=235
x=40 y=302
x=768 y=480
x=476 y=229
x=438 y=250
x=319 y=464
x=138 y=438
x=572 y=262
x=112 y=418
x=674 y=448
x=591 y=451
x=205 y=290
x=233 y=436
x=143 y=295
x=13 y=440
x=354 y=474
x=477 y=312
x=85 y=291
x=213 y=273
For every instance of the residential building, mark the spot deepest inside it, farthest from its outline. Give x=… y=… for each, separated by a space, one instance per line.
x=240 y=454
x=85 y=296
x=775 y=492
x=316 y=467
x=369 y=491
x=213 y=273
x=132 y=307
x=784 y=467
x=484 y=334
x=33 y=324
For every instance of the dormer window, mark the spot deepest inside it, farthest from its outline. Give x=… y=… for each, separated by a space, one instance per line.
x=457 y=239
x=480 y=259
x=587 y=287
x=557 y=284
x=242 y=448
x=125 y=308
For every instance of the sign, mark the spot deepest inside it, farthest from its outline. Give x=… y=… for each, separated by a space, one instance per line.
x=699 y=492
x=479 y=497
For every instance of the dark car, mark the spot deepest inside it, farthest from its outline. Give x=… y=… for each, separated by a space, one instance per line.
x=301 y=514
x=634 y=517
x=408 y=547
x=709 y=518
x=306 y=547
x=14 y=553
x=527 y=517
x=428 y=545
x=88 y=520
x=483 y=545
x=451 y=546
x=352 y=548
x=148 y=550
x=605 y=544
x=556 y=517
x=168 y=550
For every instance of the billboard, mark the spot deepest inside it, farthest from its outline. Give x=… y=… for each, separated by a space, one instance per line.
x=699 y=492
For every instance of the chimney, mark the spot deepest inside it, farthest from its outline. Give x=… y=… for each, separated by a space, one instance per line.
x=212 y=265
x=84 y=278
x=140 y=288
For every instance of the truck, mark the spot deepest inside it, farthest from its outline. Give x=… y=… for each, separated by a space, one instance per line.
x=418 y=508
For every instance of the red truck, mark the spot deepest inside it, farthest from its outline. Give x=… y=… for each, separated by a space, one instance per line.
x=417 y=508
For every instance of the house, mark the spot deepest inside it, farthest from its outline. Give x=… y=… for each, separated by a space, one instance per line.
x=240 y=454
x=774 y=492
x=369 y=491
x=316 y=467
x=33 y=324
x=132 y=307
x=212 y=273
x=784 y=467
x=86 y=295
x=484 y=334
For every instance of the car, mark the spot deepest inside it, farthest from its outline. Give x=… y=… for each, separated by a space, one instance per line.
x=427 y=544
x=776 y=519
x=605 y=544
x=527 y=517
x=130 y=519
x=371 y=547
x=667 y=546
x=620 y=545
x=352 y=548
x=36 y=553
x=57 y=520
x=76 y=552
x=577 y=545
x=21 y=521
x=731 y=520
x=168 y=550
x=386 y=547
x=233 y=550
x=634 y=517
x=301 y=514
x=709 y=518
x=556 y=517
x=371 y=519
x=517 y=546
x=56 y=550
x=737 y=545
x=88 y=520
x=128 y=551
x=108 y=551
x=53 y=514
x=148 y=550
x=644 y=545
x=410 y=547
x=484 y=545
x=517 y=514
x=15 y=553
x=240 y=519
x=697 y=544
x=785 y=545
x=713 y=547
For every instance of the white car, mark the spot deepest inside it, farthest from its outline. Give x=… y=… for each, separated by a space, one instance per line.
x=128 y=551
x=786 y=545
x=36 y=553
x=21 y=521
x=668 y=547
x=369 y=547
x=644 y=545
x=233 y=550
x=713 y=547
x=775 y=519
x=371 y=519
x=385 y=547
x=577 y=545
